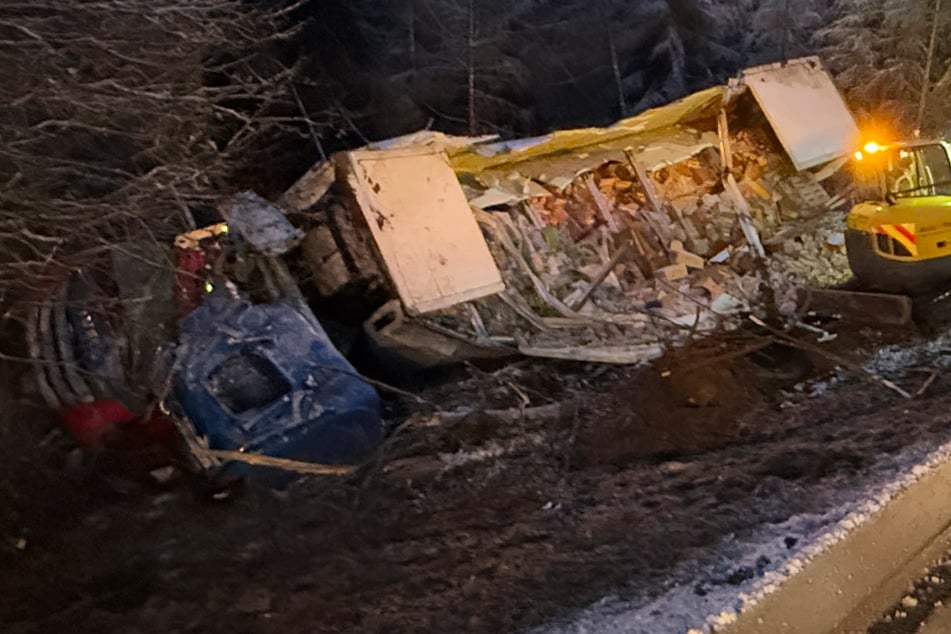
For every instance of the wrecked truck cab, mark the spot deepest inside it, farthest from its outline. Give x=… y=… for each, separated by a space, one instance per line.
x=249 y=370
x=265 y=379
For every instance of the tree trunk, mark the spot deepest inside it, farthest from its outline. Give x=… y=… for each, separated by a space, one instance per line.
x=411 y=35
x=615 y=67
x=926 y=80
x=471 y=69
x=783 y=56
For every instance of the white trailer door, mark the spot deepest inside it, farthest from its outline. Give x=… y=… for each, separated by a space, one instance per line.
x=805 y=109
x=423 y=227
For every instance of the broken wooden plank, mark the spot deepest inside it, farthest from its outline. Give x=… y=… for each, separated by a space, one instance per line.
x=651 y=195
x=830 y=168
x=642 y=253
x=495 y=227
x=623 y=355
x=744 y=216
x=309 y=188
x=671 y=272
x=659 y=205
x=726 y=152
x=517 y=303
x=690 y=231
x=729 y=183
x=602 y=273
x=650 y=192
x=642 y=268
x=796 y=229
x=511 y=415
x=679 y=255
x=601 y=203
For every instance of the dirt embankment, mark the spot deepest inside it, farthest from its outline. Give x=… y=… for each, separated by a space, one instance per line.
x=481 y=523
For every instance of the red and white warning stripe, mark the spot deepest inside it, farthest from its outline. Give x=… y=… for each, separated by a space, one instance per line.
x=903 y=233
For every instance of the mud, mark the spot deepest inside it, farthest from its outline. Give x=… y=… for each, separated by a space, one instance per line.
x=481 y=524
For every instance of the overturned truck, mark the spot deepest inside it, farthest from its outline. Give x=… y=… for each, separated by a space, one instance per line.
x=599 y=244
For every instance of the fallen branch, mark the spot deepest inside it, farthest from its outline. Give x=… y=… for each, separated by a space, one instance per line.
x=927 y=383
x=285 y=464
x=829 y=355
x=729 y=356
x=508 y=415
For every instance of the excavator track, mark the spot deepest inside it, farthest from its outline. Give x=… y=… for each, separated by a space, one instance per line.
x=858 y=307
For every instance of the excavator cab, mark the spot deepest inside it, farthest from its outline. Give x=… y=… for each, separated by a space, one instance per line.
x=899 y=239
x=918 y=171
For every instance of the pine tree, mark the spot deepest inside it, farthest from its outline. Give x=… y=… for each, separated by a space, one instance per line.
x=448 y=64
x=615 y=58
x=879 y=52
x=780 y=30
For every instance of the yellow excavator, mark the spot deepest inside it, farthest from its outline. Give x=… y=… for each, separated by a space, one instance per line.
x=899 y=241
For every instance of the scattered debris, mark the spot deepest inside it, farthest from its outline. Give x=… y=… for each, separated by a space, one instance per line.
x=608 y=245
x=611 y=244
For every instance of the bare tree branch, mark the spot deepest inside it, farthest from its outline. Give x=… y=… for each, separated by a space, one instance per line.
x=122 y=118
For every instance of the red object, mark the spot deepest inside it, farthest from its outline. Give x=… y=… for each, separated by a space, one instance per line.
x=90 y=422
x=109 y=422
x=189 y=287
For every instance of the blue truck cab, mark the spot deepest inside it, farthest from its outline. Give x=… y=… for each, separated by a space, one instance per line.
x=266 y=379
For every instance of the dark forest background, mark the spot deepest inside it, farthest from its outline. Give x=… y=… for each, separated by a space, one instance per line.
x=535 y=65
x=125 y=119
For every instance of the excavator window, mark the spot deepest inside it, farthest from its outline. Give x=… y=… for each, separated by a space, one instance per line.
x=918 y=171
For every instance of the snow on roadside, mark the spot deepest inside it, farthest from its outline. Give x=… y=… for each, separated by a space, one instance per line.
x=711 y=589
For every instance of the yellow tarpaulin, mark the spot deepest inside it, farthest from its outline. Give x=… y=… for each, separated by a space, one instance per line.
x=631 y=132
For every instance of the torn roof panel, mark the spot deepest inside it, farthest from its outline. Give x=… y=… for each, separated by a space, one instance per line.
x=622 y=134
x=799 y=99
x=789 y=94
x=694 y=107
x=805 y=110
x=653 y=148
